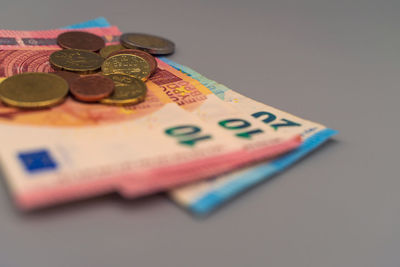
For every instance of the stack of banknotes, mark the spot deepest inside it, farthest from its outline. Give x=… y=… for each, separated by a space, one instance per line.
x=195 y=139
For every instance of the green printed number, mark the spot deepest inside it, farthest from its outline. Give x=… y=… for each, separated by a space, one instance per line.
x=239 y=124
x=269 y=117
x=187 y=135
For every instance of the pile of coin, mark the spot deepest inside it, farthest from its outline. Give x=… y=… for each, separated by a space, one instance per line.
x=90 y=71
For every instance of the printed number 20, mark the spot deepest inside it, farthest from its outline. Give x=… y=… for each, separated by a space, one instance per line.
x=271 y=117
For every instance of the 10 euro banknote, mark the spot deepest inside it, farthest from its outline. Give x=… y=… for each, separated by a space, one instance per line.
x=77 y=150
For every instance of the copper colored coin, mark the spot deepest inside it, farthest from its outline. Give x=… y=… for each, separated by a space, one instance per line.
x=146 y=56
x=70 y=77
x=92 y=88
x=80 y=40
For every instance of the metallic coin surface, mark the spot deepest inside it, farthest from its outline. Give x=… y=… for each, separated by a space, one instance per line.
x=131 y=65
x=70 y=77
x=149 y=58
x=152 y=44
x=92 y=88
x=80 y=40
x=33 y=90
x=128 y=90
x=76 y=60
x=107 y=50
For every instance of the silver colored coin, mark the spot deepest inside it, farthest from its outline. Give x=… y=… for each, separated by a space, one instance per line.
x=152 y=44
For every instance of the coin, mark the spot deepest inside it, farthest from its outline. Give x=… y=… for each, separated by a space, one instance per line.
x=80 y=40
x=92 y=88
x=107 y=50
x=33 y=90
x=70 y=77
x=152 y=44
x=76 y=60
x=128 y=90
x=149 y=58
x=132 y=65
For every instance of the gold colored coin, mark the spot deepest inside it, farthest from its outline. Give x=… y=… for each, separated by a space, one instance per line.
x=127 y=64
x=107 y=50
x=81 y=61
x=33 y=90
x=128 y=90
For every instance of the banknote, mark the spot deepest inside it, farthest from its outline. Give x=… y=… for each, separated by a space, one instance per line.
x=203 y=197
x=76 y=150
x=47 y=39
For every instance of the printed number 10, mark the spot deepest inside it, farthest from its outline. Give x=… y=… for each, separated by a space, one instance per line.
x=187 y=134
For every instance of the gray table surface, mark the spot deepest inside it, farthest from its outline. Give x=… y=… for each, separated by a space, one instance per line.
x=334 y=62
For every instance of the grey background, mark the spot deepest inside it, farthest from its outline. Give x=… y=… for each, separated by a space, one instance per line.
x=334 y=62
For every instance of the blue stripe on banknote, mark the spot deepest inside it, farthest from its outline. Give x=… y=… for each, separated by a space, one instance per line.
x=218 y=196
x=97 y=22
